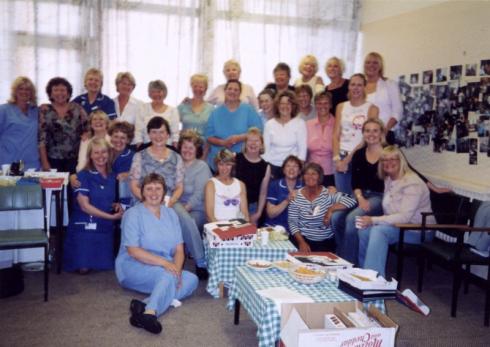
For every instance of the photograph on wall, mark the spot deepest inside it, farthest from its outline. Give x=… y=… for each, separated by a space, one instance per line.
x=441 y=74
x=470 y=70
x=428 y=77
x=485 y=96
x=455 y=72
x=485 y=67
x=414 y=78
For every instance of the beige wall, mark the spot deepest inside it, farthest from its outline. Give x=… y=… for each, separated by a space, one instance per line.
x=449 y=33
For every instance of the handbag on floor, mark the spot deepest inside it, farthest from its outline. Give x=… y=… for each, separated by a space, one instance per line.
x=11 y=281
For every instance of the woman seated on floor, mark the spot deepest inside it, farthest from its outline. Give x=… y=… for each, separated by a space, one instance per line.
x=226 y=196
x=151 y=256
x=405 y=197
x=310 y=213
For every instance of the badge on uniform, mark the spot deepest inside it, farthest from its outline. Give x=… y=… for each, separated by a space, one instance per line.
x=90 y=226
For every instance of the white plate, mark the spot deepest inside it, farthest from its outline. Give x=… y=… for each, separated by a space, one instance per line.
x=259 y=264
x=283 y=265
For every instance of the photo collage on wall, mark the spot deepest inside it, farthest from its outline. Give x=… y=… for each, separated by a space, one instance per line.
x=447 y=108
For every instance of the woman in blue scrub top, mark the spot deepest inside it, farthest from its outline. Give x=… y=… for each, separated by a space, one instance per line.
x=122 y=133
x=19 y=125
x=89 y=240
x=151 y=256
x=93 y=99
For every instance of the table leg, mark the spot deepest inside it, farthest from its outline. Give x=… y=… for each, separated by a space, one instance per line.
x=59 y=228
x=237 y=312
x=221 y=289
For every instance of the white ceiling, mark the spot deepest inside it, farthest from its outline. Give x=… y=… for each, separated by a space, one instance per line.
x=374 y=10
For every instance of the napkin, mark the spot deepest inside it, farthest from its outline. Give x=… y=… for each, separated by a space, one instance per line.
x=283 y=295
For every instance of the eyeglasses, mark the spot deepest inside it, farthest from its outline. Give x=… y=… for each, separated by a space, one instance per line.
x=233 y=202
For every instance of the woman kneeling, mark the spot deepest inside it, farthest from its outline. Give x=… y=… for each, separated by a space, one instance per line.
x=151 y=256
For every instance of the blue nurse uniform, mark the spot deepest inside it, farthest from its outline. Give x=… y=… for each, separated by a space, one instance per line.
x=89 y=240
x=18 y=136
x=160 y=236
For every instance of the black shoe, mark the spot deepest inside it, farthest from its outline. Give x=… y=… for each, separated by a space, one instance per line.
x=149 y=322
x=137 y=307
x=202 y=273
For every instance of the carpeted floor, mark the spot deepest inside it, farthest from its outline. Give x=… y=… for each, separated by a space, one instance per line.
x=92 y=310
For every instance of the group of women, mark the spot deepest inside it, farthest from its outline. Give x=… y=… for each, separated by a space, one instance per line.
x=313 y=161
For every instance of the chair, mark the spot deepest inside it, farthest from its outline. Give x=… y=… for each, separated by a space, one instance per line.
x=442 y=204
x=25 y=197
x=454 y=255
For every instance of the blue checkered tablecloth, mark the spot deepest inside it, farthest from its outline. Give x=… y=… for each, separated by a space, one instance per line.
x=223 y=261
x=263 y=310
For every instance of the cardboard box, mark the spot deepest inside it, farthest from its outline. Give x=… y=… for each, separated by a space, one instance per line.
x=246 y=239
x=303 y=325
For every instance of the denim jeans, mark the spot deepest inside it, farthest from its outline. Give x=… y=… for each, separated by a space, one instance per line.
x=343 y=179
x=191 y=235
x=345 y=228
x=374 y=242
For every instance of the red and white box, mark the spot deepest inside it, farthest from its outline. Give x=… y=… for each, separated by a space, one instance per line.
x=230 y=235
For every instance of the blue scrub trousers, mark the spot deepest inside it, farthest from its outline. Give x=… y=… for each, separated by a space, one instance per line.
x=158 y=282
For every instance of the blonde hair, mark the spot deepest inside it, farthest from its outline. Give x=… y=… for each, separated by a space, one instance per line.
x=128 y=75
x=390 y=151
x=103 y=143
x=232 y=62
x=98 y=113
x=199 y=78
x=308 y=59
x=225 y=156
x=254 y=131
x=16 y=84
x=379 y=58
x=338 y=61
x=381 y=125
x=93 y=71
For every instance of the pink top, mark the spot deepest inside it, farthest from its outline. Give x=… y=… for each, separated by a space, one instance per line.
x=403 y=201
x=319 y=142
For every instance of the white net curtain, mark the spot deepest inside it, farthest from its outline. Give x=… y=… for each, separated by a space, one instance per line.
x=169 y=39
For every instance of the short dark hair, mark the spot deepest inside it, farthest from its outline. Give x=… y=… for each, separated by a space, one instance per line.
x=324 y=95
x=282 y=67
x=58 y=81
x=234 y=81
x=294 y=159
x=193 y=137
x=124 y=127
x=317 y=168
x=156 y=123
x=153 y=178
x=304 y=88
x=268 y=91
x=292 y=99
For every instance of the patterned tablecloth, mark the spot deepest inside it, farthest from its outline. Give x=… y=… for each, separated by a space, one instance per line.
x=222 y=262
x=263 y=310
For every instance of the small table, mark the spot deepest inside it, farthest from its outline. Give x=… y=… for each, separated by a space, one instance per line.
x=222 y=262
x=263 y=310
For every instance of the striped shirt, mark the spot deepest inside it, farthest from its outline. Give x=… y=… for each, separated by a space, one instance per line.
x=306 y=216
